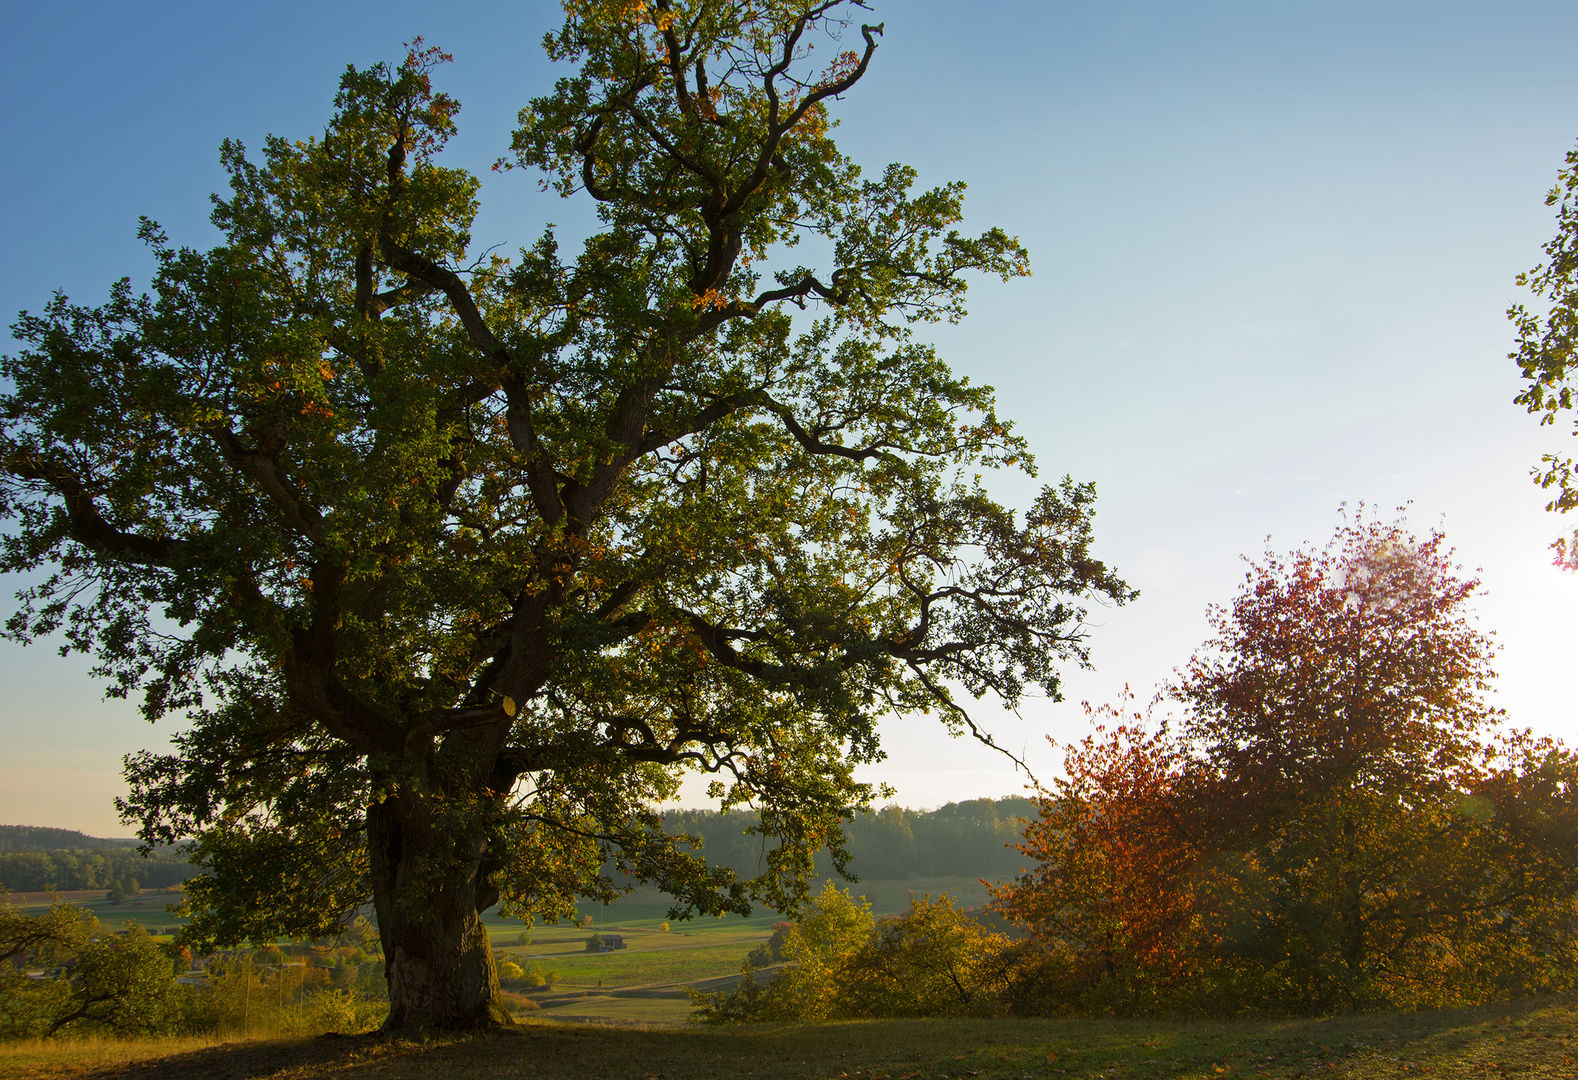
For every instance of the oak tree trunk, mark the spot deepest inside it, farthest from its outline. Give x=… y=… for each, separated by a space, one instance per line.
x=429 y=898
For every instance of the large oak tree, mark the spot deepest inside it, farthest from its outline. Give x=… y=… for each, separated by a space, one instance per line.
x=457 y=562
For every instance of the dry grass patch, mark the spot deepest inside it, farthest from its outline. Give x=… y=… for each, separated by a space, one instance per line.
x=90 y=1055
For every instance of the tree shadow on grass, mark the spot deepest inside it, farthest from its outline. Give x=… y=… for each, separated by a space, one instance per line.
x=1535 y=1038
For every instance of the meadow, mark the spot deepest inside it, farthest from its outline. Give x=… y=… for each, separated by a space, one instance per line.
x=1528 y=1039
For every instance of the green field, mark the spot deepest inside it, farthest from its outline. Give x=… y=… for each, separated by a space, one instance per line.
x=698 y=949
x=646 y=967
x=147 y=910
x=645 y=909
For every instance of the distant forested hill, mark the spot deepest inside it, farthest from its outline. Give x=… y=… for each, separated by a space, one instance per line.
x=968 y=839
x=38 y=838
x=33 y=859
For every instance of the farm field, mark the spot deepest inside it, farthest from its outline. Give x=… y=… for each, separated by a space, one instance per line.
x=146 y=909
x=655 y=966
x=1532 y=1039
x=644 y=909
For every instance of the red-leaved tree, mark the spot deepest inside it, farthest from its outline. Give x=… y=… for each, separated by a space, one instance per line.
x=1109 y=903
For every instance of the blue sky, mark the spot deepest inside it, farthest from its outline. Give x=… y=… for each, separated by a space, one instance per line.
x=1273 y=248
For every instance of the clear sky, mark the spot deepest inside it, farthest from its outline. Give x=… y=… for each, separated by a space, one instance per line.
x=1273 y=248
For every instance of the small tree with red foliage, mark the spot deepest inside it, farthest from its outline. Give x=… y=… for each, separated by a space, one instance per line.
x=1108 y=905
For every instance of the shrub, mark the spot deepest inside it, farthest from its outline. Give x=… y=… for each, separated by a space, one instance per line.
x=519 y=1003
x=833 y=927
x=934 y=960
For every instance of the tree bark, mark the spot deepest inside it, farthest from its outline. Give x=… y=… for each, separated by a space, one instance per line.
x=429 y=899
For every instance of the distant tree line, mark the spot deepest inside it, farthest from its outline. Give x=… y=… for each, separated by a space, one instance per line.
x=974 y=838
x=35 y=859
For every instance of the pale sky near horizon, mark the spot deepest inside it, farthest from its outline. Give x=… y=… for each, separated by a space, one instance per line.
x=1273 y=248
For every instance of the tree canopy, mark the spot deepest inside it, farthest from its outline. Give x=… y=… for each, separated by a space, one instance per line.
x=457 y=561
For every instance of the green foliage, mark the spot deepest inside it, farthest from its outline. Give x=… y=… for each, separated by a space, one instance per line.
x=833 y=927
x=93 y=981
x=122 y=889
x=779 y=940
x=935 y=960
x=123 y=984
x=29 y=1006
x=531 y=976
x=1545 y=347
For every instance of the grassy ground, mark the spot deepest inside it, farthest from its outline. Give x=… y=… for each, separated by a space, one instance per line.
x=1533 y=1039
x=661 y=1012
x=641 y=968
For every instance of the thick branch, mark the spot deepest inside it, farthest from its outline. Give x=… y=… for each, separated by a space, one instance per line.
x=88 y=527
x=815 y=445
x=698 y=421
x=259 y=464
x=454 y=289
